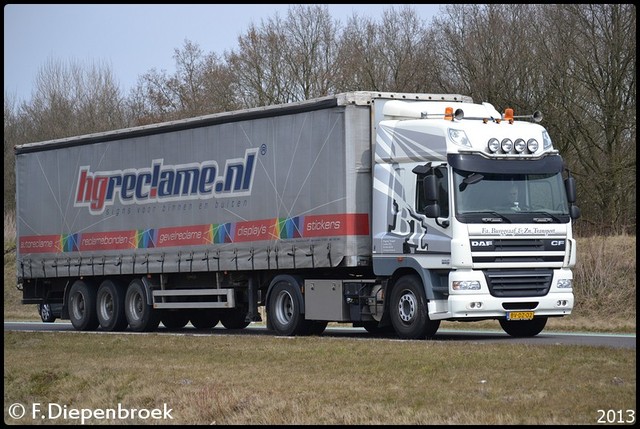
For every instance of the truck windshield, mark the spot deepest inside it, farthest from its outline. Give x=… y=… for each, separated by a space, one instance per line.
x=509 y=198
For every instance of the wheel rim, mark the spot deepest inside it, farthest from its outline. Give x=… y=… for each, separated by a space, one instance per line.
x=407 y=306
x=45 y=311
x=136 y=306
x=106 y=306
x=284 y=308
x=77 y=306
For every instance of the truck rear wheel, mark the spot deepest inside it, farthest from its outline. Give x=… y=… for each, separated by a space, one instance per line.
x=523 y=328
x=82 y=306
x=408 y=310
x=110 y=306
x=284 y=310
x=140 y=314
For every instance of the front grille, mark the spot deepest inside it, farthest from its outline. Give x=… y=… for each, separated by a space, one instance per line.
x=506 y=250
x=518 y=283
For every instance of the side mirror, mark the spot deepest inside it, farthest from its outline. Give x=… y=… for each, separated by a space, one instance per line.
x=430 y=188
x=574 y=212
x=570 y=186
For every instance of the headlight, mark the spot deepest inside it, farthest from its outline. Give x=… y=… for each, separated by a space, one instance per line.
x=532 y=145
x=507 y=145
x=520 y=145
x=494 y=145
x=466 y=285
x=565 y=283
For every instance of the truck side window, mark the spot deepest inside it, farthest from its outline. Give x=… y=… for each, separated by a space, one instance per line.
x=443 y=192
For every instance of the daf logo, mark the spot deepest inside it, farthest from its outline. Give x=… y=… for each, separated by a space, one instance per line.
x=482 y=243
x=557 y=242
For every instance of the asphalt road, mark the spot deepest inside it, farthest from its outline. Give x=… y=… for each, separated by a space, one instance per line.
x=459 y=336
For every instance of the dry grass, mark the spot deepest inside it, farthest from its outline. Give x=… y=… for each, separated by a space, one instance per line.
x=253 y=379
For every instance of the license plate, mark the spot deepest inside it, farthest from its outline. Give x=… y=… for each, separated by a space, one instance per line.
x=520 y=315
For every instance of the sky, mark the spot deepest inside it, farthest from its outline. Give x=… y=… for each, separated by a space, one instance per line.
x=133 y=39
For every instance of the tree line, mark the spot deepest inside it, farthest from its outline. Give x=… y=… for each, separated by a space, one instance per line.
x=576 y=63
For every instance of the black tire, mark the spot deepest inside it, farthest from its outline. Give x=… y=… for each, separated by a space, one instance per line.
x=82 y=306
x=174 y=319
x=408 y=310
x=110 y=306
x=374 y=329
x=284 y=310
x=315 y=327
x=523 y=328
x=140 y=314
x=205 y=318
x=234 y=319
x=46 y=313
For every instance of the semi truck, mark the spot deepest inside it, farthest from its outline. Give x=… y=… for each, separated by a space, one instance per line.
x=388 y=211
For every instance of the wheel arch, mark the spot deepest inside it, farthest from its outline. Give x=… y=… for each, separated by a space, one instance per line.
x=388 y=267
x=148 y=288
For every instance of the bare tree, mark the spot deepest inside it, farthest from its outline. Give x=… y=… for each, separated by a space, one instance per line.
x=200 y=85
x=488 y=51
x=311 y=50
x=259 y=65
x=358 y=65
x=286 y=60
x=591 y=94
x=12 y=133
x=394 y=54
x=72 y=99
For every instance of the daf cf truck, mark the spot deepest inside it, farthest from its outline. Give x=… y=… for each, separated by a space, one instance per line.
x=387 y=211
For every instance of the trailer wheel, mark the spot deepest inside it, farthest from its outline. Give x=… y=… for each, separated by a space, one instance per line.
x=234 y=319
x=82 y=306
x=174 y=319
x=110 y=306
x=205 y=319
x=523 y=328
x=408 y=310
x=284 y=310
x=140 y=315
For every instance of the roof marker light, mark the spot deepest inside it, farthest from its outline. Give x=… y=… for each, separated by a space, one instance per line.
x=508 y=115
x=448 y=113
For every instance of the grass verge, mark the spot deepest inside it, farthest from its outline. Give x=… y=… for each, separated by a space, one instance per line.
x=313 y=380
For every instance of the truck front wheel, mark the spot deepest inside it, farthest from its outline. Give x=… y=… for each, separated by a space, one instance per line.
x=523 y=328
x=140 y=315
x=408 y=310
x=110 y=306
x=284 y=310
x=82 y=306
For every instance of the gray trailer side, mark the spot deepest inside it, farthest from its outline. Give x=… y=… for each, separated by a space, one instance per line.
x=253 y=191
